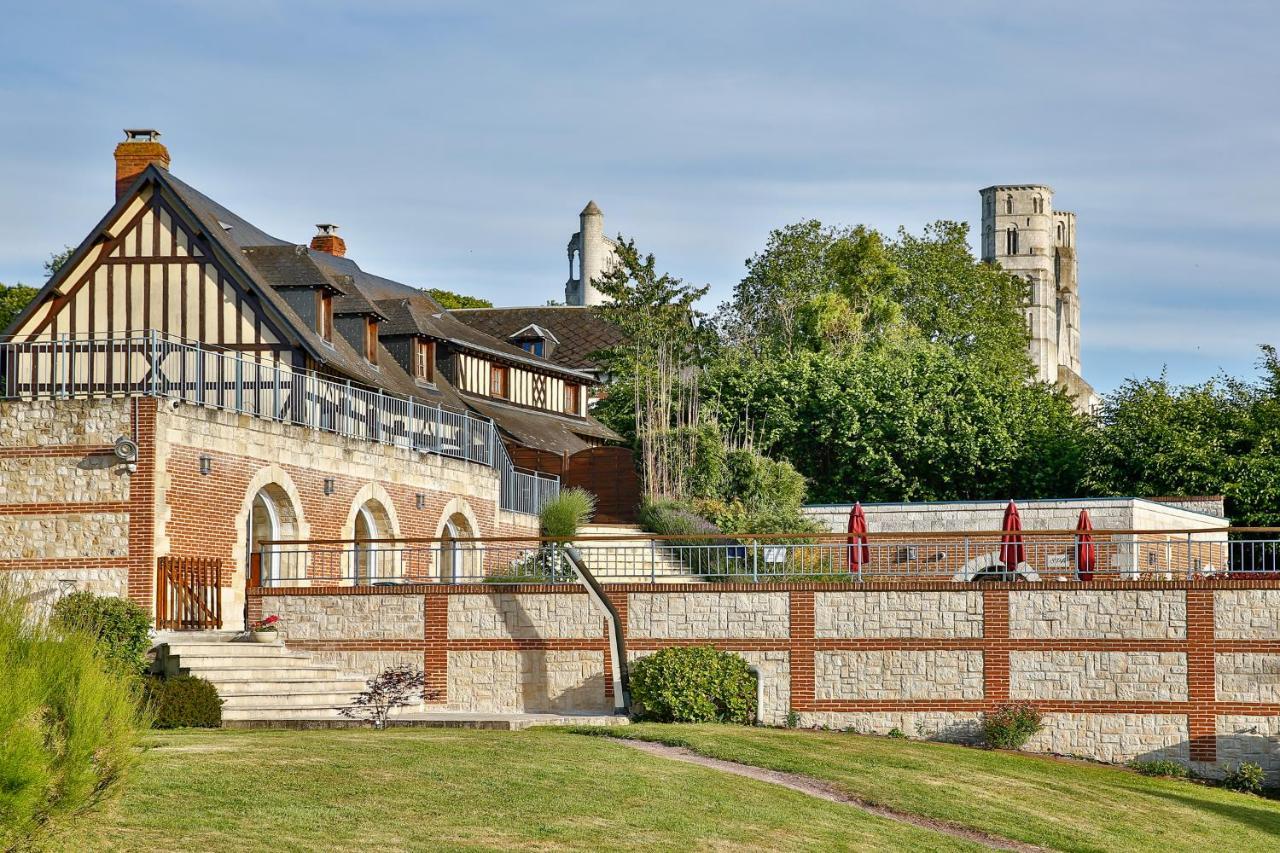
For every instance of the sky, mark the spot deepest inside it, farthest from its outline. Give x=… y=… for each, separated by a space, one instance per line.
x=455 y=142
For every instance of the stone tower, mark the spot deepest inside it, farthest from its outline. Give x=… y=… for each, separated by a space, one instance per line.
x=1024 y=234
x=591 y=256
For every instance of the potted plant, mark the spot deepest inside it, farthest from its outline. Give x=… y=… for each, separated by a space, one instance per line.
x=265 y=630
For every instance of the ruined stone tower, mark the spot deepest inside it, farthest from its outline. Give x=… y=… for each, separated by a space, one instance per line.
x=1024 y=234
x=591 y=256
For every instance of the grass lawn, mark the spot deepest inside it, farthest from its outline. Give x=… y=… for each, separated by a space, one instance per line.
x=1057 y=804
x=433 y=789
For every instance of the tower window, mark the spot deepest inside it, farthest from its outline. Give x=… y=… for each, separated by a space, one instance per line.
x=1011 y=241
x=1008 y=204
x=1037 y=204
x=1061 y=233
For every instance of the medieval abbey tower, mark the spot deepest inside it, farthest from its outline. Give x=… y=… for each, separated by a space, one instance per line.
x=1024 y=234
x=592 y=256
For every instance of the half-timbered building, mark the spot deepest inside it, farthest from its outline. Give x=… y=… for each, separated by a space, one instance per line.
x=187 y=386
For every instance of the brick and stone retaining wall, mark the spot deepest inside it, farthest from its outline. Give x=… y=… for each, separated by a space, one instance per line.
x=1182 y=670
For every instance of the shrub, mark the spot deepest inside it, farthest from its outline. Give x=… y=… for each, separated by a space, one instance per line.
x=1247 y=778
x=669 y=517
x=69 y=724
x=1010 y=726
x=1160 y=767
x=694 y=684
x=897 y=733
x=572 y=508
x=184 y=701
x=120 y=627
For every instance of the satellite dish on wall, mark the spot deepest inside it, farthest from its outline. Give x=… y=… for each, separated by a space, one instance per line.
x=126 y=450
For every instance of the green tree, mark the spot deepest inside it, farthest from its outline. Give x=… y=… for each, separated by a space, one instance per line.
x=913 y=420
x=13 y=298
x=57 y=260
x=449 y=299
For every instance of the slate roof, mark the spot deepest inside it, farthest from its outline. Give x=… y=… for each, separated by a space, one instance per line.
x=272 y=262
x=580 y=330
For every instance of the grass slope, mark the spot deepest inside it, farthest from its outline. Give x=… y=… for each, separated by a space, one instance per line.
x=1058 y=804
x=425 y=789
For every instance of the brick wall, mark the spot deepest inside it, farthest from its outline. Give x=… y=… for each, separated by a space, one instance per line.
x=72 y=514
x=1182 y=670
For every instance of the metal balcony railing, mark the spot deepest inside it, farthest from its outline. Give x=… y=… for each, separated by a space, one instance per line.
x=152 y=364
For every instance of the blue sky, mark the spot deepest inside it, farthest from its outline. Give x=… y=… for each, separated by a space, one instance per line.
x=456 y=142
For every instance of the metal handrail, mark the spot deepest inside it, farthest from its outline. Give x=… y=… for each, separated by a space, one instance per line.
x=152 y=364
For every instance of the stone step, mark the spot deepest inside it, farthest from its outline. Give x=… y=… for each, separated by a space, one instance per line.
x=347 y=687
x=237 y=674
x=279 y=714
x=324 y=698
x=243 y=649
x=196 y=636
x=284 y=660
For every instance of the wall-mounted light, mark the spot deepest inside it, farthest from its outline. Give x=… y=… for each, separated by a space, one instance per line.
x=328 y=485
x=206 y=466
x=422 y=501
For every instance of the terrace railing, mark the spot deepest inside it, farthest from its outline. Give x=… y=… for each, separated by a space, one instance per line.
x=961 y=558
x=155 y=365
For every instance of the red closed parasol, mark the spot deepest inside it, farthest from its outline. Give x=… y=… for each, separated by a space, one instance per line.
x=859 y=550
x=1086 y=554
x=1012 y=552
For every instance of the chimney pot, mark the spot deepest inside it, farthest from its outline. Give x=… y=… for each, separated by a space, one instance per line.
x=327 y=240
x=141 y=148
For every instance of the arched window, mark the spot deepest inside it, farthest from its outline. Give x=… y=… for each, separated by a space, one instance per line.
x=1008 y=204
x=1011 y=241
x=1037 y=204
x=459 y=561
x=1062 y=230
x=374 y=562
x=273 y=518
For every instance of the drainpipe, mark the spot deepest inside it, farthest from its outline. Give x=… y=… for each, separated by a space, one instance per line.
x=617 y=644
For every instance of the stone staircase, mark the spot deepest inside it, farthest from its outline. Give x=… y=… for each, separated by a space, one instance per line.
x=634 y=560
x=258 y=682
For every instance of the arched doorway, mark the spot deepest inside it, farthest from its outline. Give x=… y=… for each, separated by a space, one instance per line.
x=458 y=560
x=272 y=517
x=374 y=562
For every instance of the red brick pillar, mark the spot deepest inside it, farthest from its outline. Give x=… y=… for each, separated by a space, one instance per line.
x=435 y=660
x=995 y=656
x=142 y=527
x=802 y=650
x=1202 y=726
x=619 y=601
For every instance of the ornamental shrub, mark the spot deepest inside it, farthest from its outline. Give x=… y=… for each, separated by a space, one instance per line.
x=1160 y=767
x=1010 y=726
x=184 y=701
x=69 y=724
x=1247 y=778
x=694 y=684
x=120 y=627
x=562 y=517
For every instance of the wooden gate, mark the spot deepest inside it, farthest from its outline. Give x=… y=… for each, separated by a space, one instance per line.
x=610 y=474
x=188 y=594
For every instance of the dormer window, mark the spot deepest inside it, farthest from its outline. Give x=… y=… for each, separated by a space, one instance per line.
x=371 y=340
x=499 y=382
x=537 y=348
x=535 y=340
x=324 y=315
x=424 y=360
x=571 y=397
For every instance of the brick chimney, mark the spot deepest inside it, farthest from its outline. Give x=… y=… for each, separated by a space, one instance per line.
x=327 y=240
x=141 y=148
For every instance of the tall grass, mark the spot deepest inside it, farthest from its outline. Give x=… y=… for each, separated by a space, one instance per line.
x=562 y=517
x=69 y=724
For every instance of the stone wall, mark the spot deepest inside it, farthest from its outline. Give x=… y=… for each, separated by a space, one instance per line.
x=1188 y=671
x=68 y=505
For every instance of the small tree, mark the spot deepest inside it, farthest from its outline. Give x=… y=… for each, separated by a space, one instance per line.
x=395 y=687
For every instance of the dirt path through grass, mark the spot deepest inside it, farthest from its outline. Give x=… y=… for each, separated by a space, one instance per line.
x=824 y=791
